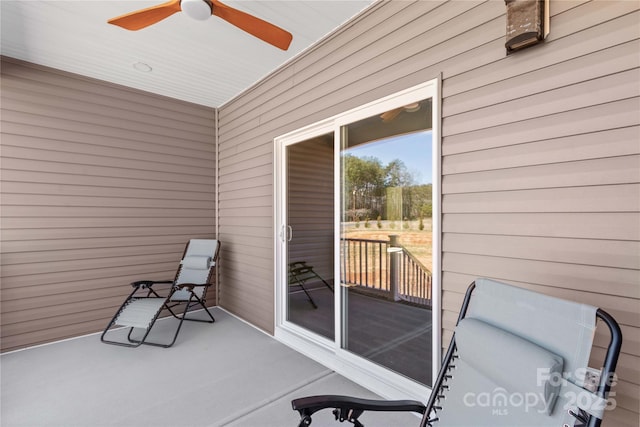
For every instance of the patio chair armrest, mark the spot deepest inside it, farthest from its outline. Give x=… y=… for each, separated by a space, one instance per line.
x=148 y=283
x=347 y=408
x=190 y=286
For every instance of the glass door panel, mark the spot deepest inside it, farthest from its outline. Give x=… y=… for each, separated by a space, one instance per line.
x=310 y=234
x=386 y=239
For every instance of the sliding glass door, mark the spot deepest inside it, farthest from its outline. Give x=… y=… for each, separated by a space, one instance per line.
x=386 y=239
x=357 y=253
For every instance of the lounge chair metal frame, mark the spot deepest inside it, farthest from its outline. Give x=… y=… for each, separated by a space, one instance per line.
x=300 y=273
x=349 y=409
x=143 y=290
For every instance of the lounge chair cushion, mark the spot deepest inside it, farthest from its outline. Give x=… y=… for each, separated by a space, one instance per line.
x=510 y=361
x=140 y=312
x=563 y=327
x=197 y=262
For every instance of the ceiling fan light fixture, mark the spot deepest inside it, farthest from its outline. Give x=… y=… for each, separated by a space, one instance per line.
x=196 y=9
x=141 y=66
x=412 y=108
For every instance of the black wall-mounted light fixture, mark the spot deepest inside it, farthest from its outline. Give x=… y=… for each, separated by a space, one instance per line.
x=527 y=23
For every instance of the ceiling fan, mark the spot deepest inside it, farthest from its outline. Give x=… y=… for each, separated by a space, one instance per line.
x=201 y=10
x=390 y=115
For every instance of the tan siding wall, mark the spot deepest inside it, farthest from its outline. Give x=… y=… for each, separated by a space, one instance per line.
x=540 y=152
x=101 y=185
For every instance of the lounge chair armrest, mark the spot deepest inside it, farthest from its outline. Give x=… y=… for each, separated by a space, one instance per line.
x=347 y=408
x=148 y=283
x=190 y=286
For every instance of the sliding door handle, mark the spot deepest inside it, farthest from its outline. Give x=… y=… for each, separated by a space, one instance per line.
x=286 y=234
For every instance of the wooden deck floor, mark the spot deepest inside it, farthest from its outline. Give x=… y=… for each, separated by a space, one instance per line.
x=392 y=334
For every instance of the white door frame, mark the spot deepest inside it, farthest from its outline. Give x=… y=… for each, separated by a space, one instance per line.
x=329 y=352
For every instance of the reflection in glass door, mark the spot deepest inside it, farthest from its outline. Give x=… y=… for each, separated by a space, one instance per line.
x=386 y=239
x=310 y=234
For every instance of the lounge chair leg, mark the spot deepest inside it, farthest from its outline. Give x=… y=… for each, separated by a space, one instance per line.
x=138 y=342
x=209 y=314
x=305 y=421
x=171 y=311
x=130 y=339
x=123 y=344
x=201 y=302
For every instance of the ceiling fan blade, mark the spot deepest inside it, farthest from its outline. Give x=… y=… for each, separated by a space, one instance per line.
x=388 y=116
x=145 y=17
x=255 y=26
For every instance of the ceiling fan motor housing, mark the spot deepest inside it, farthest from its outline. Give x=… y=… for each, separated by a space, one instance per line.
x=197 y=9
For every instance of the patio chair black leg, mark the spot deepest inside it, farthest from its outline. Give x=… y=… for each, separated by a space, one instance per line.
x=209 y=313
x=171 y=311
x=201 y=302
x=123 y=344
x=305 y=421
x=136 y=343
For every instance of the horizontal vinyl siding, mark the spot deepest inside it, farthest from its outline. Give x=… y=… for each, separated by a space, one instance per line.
x=541 y=165
x=101 y=186
x=541 y=176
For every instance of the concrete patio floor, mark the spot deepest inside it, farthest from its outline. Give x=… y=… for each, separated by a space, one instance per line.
x=225 y=374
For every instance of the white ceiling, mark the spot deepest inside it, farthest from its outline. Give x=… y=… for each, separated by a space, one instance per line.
x=204 y=62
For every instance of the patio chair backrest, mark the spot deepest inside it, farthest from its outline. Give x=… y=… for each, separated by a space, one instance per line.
x=518 y=358
x=197 y=265
x=565 y=328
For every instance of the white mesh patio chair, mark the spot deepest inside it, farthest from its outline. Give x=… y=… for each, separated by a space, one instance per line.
x=143 y=306
x=517 y=358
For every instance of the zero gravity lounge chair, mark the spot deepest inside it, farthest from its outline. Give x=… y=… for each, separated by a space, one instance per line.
x=517 y=359
x=189 y=288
